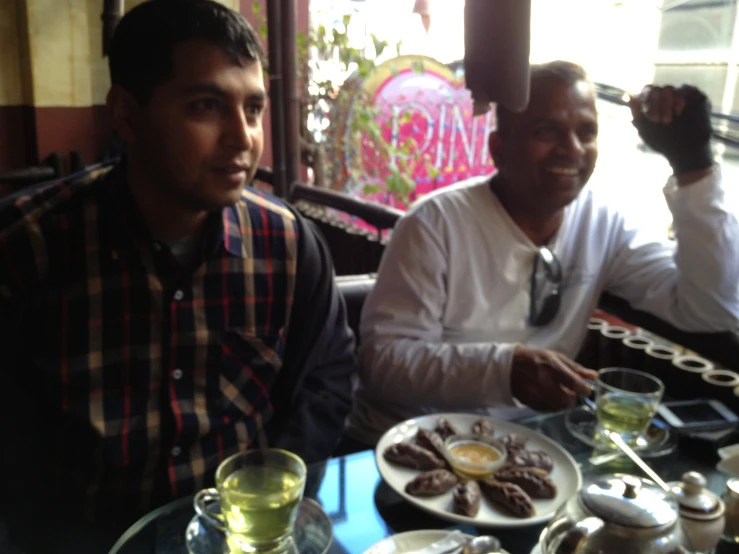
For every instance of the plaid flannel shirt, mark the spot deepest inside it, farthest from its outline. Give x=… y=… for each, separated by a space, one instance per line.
x=151 y=374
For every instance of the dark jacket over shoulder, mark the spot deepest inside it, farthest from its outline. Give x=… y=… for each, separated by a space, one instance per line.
x=314 y=386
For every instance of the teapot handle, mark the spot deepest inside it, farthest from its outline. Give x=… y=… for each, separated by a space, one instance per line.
x=569 y=541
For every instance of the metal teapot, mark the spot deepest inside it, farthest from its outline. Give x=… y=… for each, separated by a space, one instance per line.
x=615 y=514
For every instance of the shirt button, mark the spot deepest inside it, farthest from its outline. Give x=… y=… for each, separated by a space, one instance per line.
x=176 y=451
x=156 y=246
x=179 y=295
x=177 y=374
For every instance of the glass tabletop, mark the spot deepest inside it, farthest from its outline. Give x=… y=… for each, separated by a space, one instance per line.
x=364 y=510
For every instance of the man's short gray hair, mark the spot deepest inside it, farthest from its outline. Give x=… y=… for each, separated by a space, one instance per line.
x=567 y=73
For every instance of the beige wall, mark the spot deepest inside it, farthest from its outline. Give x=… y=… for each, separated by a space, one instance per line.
x=15 y=86
x=65 y=51
x=53 y=79
x=64 y=39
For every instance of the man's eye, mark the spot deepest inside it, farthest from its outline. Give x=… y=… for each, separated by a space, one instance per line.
x=545 y=133
x=589 y=135
x=254 y=110
x=206 y=105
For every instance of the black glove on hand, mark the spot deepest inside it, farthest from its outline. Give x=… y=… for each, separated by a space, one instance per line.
x=686 y=140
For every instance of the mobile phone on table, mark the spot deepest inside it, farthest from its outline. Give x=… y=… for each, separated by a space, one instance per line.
x=697 y=415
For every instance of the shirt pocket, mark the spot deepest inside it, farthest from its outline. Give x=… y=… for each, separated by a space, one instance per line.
x=250 y=364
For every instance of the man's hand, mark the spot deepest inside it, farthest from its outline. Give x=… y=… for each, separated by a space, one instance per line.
x=547 y=380
x=677 y=123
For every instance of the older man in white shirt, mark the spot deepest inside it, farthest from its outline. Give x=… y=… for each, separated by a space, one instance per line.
x=484 y=292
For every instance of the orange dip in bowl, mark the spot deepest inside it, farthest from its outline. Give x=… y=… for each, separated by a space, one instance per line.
x=475 y=453
x=474 y=458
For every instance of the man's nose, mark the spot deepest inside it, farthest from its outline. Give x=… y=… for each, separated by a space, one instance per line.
x=572 y=145
x=238 y=133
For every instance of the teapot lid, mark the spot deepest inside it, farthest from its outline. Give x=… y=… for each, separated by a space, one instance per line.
x=629 y=501
x=692 y=494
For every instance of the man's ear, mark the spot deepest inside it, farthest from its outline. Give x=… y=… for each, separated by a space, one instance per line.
x=495 y=147
x=124 y=110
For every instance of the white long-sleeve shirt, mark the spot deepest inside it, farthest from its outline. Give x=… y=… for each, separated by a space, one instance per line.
x=451 y=300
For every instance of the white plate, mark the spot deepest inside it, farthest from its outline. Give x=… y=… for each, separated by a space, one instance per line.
x=728 y=451
x=729 y=466
x=410 y=541
x=566 y=474
x=729 y=460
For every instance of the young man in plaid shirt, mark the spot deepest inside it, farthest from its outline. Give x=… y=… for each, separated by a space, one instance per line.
x=153 y=315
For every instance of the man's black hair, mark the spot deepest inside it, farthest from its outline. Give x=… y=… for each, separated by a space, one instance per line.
x=142 y=47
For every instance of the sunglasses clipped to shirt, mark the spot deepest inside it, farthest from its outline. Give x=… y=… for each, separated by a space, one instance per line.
x=546 y=288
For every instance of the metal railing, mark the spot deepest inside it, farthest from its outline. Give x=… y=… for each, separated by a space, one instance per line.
x=378 y=215
x=50 y=168
x=619 y=96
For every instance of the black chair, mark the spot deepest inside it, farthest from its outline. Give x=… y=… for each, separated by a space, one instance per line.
x=51 y=169
x=354 y=289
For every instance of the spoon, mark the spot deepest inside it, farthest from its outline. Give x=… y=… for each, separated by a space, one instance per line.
x=262 y=436
x=484 y=544
x=616 y=438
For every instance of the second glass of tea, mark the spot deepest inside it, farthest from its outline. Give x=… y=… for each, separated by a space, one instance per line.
x=259 y=494
x=626 y=401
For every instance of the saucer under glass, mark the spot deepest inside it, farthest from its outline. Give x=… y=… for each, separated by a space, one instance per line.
x=658 y=440
x=313 y=533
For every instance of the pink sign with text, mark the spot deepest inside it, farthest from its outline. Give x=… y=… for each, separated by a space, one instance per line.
x=425 y=113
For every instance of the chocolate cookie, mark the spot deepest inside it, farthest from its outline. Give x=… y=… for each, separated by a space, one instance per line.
x=466 y=498
x=483 y=428
x=535 y=470
x=528 y=458
x=533 y=484
x=431 y=441
x=508 y=496
x=445 y=428
x=413 y=456
x=514 y=442
x=432 y=483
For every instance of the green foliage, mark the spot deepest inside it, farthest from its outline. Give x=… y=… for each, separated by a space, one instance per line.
x=379 y=45
x=418 y=67
x=320 y=98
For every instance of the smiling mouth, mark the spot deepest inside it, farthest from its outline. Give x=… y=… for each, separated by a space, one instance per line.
x=565 y=171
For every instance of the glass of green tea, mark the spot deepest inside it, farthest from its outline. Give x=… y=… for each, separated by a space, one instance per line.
x=259 y=494
x=626 y=401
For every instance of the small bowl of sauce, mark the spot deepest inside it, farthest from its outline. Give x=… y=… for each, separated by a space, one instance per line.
x=473 y=457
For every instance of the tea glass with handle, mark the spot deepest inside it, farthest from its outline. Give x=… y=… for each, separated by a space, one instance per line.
x=626 y=400
x=259 y=492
